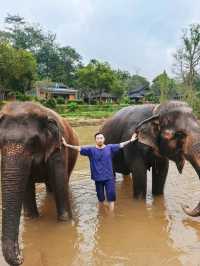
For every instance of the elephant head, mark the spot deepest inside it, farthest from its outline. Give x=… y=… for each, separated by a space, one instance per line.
x=25 y=139
x=173 y=132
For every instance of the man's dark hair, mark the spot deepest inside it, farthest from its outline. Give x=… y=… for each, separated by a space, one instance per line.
x=98 y=133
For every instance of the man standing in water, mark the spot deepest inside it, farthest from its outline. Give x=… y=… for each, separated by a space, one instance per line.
x=100 y=157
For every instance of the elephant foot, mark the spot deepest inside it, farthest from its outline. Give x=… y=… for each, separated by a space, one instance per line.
x=140 y=195
x=127 y=177
x=157 y=192
x=63 y=217
x=11 y=252
x=31 y=214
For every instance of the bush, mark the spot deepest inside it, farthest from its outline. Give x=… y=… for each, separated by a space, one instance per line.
x=125 y=100
x=21 y=96
x=72 y=106
x=76 y=101
x=2 y=103
x=50 y=103
x=60 y=100
x=36 y=99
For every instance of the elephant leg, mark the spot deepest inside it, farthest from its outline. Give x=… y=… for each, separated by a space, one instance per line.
x=139 y=179
x=48 y=186
x=159 y=174
x=29 y=203
x=57 y=168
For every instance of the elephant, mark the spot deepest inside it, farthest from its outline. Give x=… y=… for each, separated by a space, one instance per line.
x=166 y=131
x=32 y=152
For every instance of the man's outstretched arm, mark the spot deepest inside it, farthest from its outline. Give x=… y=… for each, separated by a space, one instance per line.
x=78 y=148
x=133 y=138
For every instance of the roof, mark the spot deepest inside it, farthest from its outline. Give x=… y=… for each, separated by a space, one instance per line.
x=104 y=95
x=60 y=91
x=140 y=89
x=138 y=93
x=57 y=88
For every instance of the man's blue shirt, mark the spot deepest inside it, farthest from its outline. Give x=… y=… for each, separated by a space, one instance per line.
x=101 y=161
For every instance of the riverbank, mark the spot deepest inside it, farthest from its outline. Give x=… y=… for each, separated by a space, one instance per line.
x=79 y=122
x=84 y=114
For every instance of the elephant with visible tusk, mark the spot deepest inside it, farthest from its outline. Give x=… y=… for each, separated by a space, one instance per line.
x=32 y=151
x=168 y=131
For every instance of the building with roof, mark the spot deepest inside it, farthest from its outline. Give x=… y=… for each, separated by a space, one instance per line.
x=139 y=93
x=101 y=97
x=56 y=90
x=6 y=95
x=2 y=94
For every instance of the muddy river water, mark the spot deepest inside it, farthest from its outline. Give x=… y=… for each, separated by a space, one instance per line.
x=151 y=233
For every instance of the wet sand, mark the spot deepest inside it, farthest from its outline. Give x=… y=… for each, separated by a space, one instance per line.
x=151 y=233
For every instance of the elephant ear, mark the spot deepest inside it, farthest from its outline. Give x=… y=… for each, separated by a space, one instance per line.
x=53 y=137
x=148 y=132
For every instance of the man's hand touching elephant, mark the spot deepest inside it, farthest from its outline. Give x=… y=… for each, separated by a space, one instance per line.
x=133 y=138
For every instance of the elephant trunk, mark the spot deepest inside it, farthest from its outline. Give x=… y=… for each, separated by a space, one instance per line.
x=15 y=171
x=194 y=158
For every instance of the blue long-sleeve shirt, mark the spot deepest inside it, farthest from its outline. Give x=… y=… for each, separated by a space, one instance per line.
x=101 y=160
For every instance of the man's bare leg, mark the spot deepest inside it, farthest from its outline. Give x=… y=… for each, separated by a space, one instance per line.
x=111 y=205
x=101 y=204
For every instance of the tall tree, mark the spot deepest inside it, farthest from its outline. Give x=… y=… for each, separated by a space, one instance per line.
x=54 y=62
x=136 y=81
x=187 y=58
x=97 y=77
x=164 y=87
x=17 y=68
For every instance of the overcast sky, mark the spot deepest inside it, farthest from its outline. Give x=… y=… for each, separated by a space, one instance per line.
x=135 y=35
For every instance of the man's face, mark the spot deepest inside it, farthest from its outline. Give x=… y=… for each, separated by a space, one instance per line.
x=100 y=139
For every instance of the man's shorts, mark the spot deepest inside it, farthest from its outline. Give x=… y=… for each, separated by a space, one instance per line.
x=107 y=186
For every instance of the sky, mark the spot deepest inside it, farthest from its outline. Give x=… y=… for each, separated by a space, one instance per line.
x=140 y=36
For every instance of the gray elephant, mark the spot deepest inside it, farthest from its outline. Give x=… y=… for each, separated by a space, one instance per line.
x=165 y=131
x=30 y=142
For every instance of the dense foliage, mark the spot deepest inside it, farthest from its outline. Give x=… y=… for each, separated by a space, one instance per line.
x=29 y=55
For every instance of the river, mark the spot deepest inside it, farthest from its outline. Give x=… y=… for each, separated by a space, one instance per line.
x=154 y=232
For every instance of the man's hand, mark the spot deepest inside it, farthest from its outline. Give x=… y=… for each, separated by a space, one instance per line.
x=78 y=148
x=64 y=142
x=134 y=137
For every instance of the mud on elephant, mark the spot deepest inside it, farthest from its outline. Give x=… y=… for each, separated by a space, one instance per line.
x=165 y=131
x=30 y=142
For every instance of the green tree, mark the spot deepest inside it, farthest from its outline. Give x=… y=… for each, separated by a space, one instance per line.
x=65 y=67
x=163 y=87
x=123 y=78
x=97 y=77
x=23 y=35
x=17 y=68
x=54 y=62
x=187 y=58
x=136 y=81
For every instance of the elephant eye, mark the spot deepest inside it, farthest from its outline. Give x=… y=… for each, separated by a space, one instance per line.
x=34 y=144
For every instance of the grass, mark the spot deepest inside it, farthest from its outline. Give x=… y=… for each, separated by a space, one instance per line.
x=96 y=114
x=89 y=111
x=85 y=111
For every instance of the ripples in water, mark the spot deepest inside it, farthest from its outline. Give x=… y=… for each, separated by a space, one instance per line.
x=151 y=233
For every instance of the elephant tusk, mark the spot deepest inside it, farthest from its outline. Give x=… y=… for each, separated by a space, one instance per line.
x=193 y=213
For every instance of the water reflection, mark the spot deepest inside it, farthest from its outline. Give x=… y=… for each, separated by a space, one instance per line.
x=151 y=233
x=183 y=230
